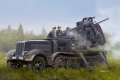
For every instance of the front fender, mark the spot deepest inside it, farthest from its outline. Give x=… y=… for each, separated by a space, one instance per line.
x=9 y=54
x=31 y=54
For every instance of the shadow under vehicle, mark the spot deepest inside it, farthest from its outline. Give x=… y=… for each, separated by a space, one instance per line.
x=56 y=52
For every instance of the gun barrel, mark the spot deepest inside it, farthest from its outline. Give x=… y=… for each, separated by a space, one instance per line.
x=93 y=17
x=103 y=20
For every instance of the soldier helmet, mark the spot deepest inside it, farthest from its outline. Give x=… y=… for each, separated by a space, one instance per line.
x=59 y=27
x=68 y=28
x=54 y=28
x=86 y=18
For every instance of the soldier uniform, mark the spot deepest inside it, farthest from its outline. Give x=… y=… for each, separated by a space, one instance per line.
x=65 y=32
x=89 y=28
x=59 y=32
x=52 y=34
x=98 y=37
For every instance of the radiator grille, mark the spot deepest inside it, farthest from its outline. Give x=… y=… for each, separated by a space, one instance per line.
x=19 y=48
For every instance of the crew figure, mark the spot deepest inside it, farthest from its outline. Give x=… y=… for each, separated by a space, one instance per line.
x=52 y=34
x=98 y=37
x=59 y=32
x=88 y=26
x=65 y=32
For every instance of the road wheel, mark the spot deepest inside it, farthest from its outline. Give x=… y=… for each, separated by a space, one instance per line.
x=78 y=65
x=37 y=65
x=59 y=62
x=68 y=64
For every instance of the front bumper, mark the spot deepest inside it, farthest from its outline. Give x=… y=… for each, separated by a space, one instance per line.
x=24 y=58
x=15 y=58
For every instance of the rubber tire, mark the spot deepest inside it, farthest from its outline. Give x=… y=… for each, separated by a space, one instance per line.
x=31 y=66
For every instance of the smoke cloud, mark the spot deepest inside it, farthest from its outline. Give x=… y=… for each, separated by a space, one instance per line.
x=80 y=40
x=112 y=26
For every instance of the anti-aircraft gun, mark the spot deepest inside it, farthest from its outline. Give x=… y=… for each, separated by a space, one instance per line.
x=82 y=36
x=56 y=52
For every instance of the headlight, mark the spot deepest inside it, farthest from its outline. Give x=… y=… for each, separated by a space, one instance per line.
x=24 y=52
x=12 y=54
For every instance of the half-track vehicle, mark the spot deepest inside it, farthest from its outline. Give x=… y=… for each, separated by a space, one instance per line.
x=61 y=52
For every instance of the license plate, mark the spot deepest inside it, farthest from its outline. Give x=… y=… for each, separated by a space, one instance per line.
x=21 y=58
x=13 y=57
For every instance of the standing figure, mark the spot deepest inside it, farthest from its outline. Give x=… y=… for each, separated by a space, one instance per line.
x=65 y=32
x=98 y=37
x=59 y=32
x=88 y=26
x=52 y=34
x=97 y=40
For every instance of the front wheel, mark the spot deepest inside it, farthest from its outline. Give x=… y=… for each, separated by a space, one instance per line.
x=37 y=65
